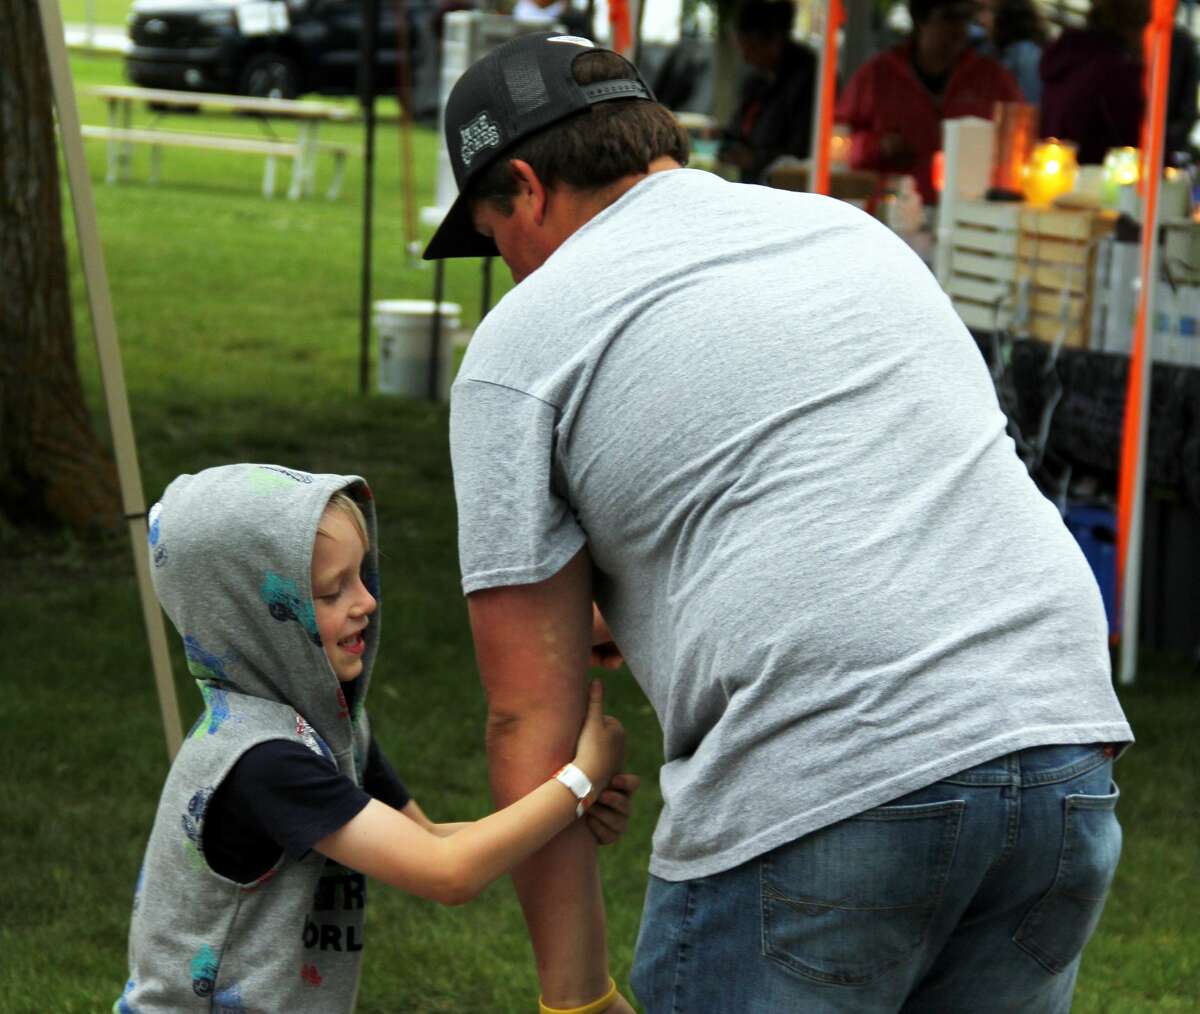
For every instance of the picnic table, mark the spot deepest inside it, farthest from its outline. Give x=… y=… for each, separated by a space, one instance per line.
x=303 y=150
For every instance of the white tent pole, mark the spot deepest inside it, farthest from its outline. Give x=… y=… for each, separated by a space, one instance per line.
x=1132 y=589
x=109 y=353
x=1153 y=168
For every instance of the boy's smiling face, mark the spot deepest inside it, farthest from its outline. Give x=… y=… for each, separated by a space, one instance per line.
x=343 y=604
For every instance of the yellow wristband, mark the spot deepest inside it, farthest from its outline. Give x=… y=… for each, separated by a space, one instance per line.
x=595 y=1007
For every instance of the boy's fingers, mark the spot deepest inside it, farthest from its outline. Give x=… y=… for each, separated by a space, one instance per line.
x=596 y=696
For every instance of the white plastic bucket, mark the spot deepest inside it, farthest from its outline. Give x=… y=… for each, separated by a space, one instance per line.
x=403 y=330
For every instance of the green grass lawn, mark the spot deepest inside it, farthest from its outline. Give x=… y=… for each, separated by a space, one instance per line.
x=238 y=323
x=102 y=12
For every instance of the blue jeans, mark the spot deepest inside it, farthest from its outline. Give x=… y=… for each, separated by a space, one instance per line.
x=975 y=894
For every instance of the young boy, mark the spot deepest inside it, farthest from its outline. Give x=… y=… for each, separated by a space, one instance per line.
x=251 y=895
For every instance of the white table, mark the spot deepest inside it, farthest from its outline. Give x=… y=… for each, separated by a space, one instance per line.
x=303 y=150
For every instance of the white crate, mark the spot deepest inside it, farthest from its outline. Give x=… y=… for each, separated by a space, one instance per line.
x=1025 y=269
x=1176 y=313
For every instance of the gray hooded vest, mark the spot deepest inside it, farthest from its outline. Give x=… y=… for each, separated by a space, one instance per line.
x=232 y=555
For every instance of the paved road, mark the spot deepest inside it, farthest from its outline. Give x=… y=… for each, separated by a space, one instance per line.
x=106 y=38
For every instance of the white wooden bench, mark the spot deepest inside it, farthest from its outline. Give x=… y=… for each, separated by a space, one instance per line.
x=271 y=148
x=121 y=135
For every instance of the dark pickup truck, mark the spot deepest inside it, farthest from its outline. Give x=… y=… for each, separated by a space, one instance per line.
x=265 y=47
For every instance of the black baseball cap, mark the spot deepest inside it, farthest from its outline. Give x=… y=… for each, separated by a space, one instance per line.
x=516 y=90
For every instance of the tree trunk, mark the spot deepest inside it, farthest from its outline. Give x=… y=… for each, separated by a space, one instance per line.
x=53 y=470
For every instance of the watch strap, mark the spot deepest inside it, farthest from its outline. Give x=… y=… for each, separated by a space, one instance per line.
x=579 y=784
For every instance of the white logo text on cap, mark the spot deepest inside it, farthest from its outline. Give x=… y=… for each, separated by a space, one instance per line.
x=480 y=133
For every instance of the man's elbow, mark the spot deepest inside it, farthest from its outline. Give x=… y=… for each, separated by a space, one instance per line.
x=534 y=730
x=503 y=723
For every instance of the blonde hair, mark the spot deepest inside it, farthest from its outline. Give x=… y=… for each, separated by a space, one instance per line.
x=345 y=504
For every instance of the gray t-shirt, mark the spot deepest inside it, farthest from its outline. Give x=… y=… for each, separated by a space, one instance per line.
x=813 y=540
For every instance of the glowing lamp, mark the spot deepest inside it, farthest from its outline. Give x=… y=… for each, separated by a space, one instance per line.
x=1016 y=128
x=1122 y=167
x=938 y=170
x=1050 y=171
x=839 y=147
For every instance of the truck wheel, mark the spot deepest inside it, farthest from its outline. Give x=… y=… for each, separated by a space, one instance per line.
x=271 y=76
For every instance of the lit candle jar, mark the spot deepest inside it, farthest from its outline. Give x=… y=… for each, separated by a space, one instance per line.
x=1121 y=169
x=1050 y=171
x=839 y=148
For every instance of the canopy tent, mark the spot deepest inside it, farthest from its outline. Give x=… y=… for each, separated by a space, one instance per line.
x=111 y=373
x=1131 y=473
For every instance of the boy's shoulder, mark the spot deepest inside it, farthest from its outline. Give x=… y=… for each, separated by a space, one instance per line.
x=233 y=722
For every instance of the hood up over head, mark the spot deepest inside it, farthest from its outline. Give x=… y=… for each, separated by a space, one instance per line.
x=232 y=551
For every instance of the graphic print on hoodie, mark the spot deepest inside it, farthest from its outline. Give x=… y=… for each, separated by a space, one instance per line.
x=232 y=550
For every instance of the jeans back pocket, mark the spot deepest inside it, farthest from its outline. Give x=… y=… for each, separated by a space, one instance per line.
x=1058 y=926
x=850 y=901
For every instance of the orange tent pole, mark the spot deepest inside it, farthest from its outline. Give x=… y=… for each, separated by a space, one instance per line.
x=835 y=17
x=620 y=21
x=1131 y=474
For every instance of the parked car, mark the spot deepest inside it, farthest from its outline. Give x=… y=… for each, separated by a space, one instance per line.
x=270 y=49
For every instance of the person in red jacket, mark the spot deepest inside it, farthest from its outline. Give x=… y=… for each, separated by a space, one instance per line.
x=896 y=101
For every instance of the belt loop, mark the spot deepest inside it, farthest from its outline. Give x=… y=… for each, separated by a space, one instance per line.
x=1013 y=761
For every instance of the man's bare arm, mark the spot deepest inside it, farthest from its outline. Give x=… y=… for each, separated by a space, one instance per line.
x=532 y=643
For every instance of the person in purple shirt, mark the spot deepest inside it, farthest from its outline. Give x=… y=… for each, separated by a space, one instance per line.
x=1092 y=80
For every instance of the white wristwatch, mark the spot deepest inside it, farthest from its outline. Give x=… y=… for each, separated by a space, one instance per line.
x=579 y=784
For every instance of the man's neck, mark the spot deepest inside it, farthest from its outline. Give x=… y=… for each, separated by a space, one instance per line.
x=587 y=205
x=569 y=209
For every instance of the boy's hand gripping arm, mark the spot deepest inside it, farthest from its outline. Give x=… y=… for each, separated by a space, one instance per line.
x=532 y=643
x=405 y=849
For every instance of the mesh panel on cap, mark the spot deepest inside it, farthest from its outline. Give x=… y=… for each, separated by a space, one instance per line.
x=523 y=78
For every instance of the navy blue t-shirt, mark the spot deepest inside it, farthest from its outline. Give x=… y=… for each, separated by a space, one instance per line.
x=280 y=797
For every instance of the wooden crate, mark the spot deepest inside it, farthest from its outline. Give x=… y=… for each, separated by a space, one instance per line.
x=983 y=263
x=1029 y=269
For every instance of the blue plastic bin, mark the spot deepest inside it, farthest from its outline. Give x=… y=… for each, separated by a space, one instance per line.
x=1095 y=529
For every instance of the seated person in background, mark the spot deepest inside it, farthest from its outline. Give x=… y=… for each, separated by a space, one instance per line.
x=1015 y=34
x=896 y=101
x=1092 y=80
x=774 y=113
